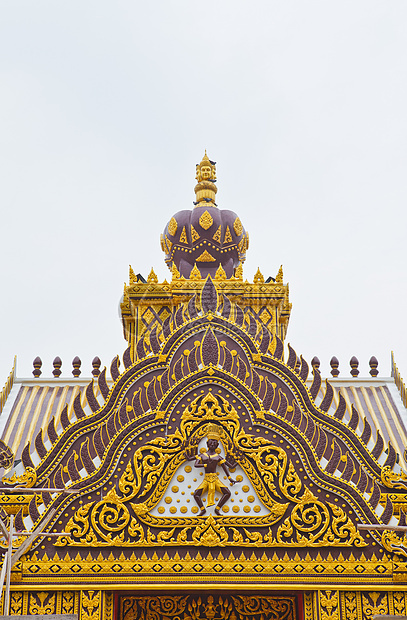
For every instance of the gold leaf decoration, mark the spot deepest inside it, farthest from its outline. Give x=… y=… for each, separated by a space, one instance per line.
x=228 y=236
x=152 y=277
x=279 y=276
x=206 y=220
x=27 y=479
x=195 y=606
x=205 y=257
x=132 y=275
x=237 y=226
x=217 y=235
x=220 y=273
x=175 y=273
x=239 y=272
x=172 y=226
x=183 y=237
x=258 y=278
x=194 y=235
x=195 y=274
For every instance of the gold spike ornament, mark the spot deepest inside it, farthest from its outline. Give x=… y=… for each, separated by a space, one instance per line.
x=279 y=276
x=195 y=273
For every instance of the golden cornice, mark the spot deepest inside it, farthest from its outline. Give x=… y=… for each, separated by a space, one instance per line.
x=268 y=301
x=156 y=583
x=227 y=286
x=13 y=503
x=215 y=566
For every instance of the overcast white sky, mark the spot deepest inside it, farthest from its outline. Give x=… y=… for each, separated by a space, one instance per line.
x=105 y=108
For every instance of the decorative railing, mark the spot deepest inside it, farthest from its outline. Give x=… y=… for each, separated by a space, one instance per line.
x=398 y=380
x=8 y=385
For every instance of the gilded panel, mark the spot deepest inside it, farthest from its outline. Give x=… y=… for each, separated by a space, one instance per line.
x=217 y=607
x=91 y=605
x=329 y=606
x=107 y=608
x=364 y=605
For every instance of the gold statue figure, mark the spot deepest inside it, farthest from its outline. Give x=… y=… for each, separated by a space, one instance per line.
x=206 y=170
x=210 y=459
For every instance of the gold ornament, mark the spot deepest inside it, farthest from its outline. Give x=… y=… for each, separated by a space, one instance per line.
x=175 y=273
x=206 y=170
x=279 y=276
x=220 y=273
x=90 y=605
x=239 y=272
x=152 y=277
x=206 y=220
x=205 y=257
x=194 y=235
x=183 y=237
x=228 y=236
x=393 y=480
x=172 y=226
x=132 y=276
x=195 y=273
x=258 y=278
x=237 y=226
x=217 y=236
x=27 y=479
x=219 y=607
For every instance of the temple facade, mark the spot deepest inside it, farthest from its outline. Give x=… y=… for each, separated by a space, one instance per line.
x=213 y=472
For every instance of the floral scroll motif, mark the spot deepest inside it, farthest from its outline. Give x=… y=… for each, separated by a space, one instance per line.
x=375 y=603
x=350 y=605
x=90 y=605
x=123 y=517
x=392 y=479
x=395 y=542
x=210 y=607
x=42 y=603
x=329 y=605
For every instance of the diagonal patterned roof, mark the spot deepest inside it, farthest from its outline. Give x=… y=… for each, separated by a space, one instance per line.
x=377 y=399
x=31 y=405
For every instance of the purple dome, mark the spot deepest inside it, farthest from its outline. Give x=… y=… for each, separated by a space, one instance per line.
x=205 y=236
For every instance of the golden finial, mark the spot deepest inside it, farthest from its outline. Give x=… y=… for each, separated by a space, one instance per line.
x=132 y=276
x=152 y=277
x=206 y=170
x=195 y=273
x=258 y=278
x=220 y=273
x=206 y=189
x=175 y=272
x=125 y=294
x=279 y=276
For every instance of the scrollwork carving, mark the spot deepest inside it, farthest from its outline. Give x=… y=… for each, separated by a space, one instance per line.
x=211 y=607
x=393 y=480
x=123 y=517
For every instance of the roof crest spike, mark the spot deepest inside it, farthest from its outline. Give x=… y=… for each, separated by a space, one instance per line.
x=132 y=276
x=152 y=277
x=258 y=277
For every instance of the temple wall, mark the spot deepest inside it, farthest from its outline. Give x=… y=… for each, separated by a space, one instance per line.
x=88 y=604
x=343 y=605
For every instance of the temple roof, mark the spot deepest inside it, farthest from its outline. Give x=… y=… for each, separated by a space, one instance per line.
x=205 y=237
x=33 y=402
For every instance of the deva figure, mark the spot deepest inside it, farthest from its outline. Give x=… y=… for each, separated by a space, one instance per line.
x=210 y=460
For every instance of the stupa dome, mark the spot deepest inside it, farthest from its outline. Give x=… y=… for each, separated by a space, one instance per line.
x=205 y=236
